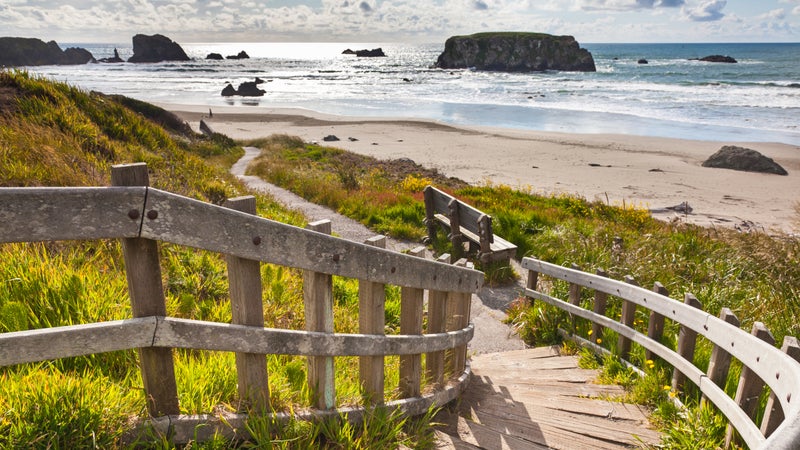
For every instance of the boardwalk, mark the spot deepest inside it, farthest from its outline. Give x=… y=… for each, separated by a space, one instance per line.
x=538 y=399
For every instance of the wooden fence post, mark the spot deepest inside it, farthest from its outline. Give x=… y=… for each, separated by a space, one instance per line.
x=244 y=279
x=627 y=319
x=437 y=323
x=655 y=326
x=318 y=300
x=430 y=212
x=773 y=413
x=687 y=341
x=411 y=309
x=455 y=229
x=750 y=385
x=720 y=362
x=600 y=303
x=143 y=272
x=459 y=307
x=486 y=234
x=371 y=320
x=575 y=297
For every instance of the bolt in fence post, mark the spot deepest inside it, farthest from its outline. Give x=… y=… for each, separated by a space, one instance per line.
x=244 y=280
x=600 y=302
x=773 y=413
x=411 y=309
x=750 y=385
x=143 y=272
x=318 y=300
x=627 y=319
x=655 y=326
x=371 y=320
x=437 y=323
x=687 y=341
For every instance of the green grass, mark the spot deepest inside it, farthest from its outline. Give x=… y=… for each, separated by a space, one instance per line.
x=52 y=134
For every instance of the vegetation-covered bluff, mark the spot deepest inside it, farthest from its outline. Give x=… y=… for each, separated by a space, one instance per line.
x=515 y=52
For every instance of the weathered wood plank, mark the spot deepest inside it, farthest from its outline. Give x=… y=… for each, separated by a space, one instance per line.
x=468 y=215
x=627 y=319
x=53 y=214
x=437 y=323
x=655 y=325
x=318 y=299
x=773 y=413
x=750 y=387
x=411 y=310
x=599 y=307
x=372 y=320
x=184 y=221
x=46 y=344
x=460 y=307
x=143 y=272
x=182 y=333
x=687 y=341
x=244 y=279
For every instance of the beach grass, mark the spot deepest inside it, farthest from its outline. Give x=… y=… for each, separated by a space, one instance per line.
x=52 y=134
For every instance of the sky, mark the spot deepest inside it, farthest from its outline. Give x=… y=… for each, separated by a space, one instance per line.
x=390 y=21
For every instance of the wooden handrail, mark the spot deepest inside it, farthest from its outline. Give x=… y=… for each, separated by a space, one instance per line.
x=779 y=370
x=50 y=214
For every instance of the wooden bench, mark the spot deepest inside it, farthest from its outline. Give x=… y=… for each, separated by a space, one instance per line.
x=465 y=222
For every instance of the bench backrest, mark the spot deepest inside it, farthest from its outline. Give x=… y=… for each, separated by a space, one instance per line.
x=459 y=213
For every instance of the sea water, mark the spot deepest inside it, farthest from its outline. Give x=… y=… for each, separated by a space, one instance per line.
x=757 y=99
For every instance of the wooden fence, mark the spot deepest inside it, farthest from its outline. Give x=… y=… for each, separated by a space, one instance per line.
x=762 y=362
x=141 y=216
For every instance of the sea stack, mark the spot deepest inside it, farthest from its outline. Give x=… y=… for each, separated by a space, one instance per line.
x=515 y=52
x=156 y=48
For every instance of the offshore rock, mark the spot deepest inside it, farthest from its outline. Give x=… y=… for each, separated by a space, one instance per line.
x=156 y=48
x=744 y=159
x=16 y=51
x=214 y=56
x=241 y=55
x=112 y=60
x=716 y=59
x=515 y=52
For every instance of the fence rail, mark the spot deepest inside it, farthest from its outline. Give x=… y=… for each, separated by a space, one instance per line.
x=762 y=362
x=141 y=217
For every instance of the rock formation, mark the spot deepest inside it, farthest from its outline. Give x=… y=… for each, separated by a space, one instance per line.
x=156 y=48
x=241 y=55
x=114 y=59
x=374 y=53
x=515 y=52
x=744 y=159
x=716 y=59
x=214 y=56
x=15 y=51
x=246 y=89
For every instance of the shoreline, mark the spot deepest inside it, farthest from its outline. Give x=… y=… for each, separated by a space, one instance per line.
x=651 y=172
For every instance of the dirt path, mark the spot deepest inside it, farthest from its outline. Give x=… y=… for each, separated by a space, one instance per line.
x=491 y=335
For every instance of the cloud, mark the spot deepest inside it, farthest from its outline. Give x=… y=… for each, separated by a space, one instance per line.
x=627 y=5
x=708 y=11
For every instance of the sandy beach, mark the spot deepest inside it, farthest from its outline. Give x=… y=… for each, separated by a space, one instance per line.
x=653 y=173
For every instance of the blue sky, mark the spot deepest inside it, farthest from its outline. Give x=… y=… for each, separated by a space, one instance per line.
x=115 y=21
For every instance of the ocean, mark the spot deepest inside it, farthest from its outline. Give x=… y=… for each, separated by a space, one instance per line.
x=755 y=100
